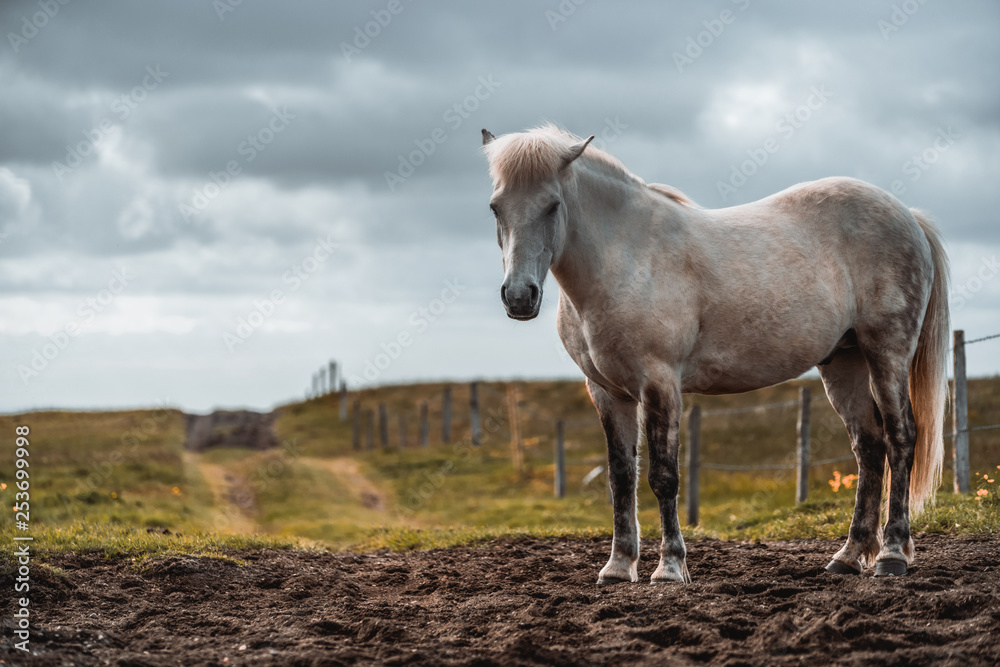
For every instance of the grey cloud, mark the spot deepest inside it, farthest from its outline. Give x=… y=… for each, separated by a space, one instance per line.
x=354 y=119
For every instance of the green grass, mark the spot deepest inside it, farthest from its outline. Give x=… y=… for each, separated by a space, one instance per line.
x=100 y=480
x=112 y=541
x=110 y=469
x=830 y=518
x=820 y=519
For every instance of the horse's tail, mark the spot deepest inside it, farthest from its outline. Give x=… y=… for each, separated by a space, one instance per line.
x=929 y=378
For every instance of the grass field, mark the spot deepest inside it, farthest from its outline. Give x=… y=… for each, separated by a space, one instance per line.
x=122 y=482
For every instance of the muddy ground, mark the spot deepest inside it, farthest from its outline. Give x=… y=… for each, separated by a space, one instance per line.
x=516 y=602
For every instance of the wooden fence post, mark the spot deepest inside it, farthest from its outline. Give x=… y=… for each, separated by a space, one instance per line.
x=332 y=377
x=369 y=429
x=960 y=417
x=477 y=435
x=515 y=435
x=694 y=463
x=343 y=401
x=356 y=425
x=802 y=429
x=446 y=415
x=402 y=431
x=425 y=426
x=383 y=425
x=560 y=480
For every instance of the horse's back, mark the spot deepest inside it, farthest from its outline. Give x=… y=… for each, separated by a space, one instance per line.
x=841 y=220
x=792 y=272
x=854 y=210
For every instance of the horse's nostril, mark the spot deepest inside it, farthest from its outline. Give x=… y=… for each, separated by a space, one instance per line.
x=534 y=294
x=503 y=295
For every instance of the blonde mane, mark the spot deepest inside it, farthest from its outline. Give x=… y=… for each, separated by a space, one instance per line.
x=673 y=193
x=524 y=158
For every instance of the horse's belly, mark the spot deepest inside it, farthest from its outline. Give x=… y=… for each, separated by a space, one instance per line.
x=754 y=368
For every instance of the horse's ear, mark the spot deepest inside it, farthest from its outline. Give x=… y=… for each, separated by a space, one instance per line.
x=487 y=137
x=577 y=151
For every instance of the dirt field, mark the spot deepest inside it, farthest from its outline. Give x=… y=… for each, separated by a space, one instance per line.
x=517 y=602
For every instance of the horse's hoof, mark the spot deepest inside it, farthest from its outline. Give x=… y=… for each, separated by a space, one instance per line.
x=890 y=568
x=608 y=581
x=618 y=571
x=837 y=567
x=671 y=575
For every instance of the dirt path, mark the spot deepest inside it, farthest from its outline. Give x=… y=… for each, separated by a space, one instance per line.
x=515 y=602
x=235 y=501
x=348 y=471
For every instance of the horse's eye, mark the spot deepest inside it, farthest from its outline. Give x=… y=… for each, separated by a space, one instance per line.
x=552 y=209
x=494 y=209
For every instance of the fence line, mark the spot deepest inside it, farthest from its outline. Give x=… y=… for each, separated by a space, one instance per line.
x=366 y=430
x=513 y=407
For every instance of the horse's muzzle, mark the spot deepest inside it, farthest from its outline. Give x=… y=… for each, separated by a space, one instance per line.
x=523 y=301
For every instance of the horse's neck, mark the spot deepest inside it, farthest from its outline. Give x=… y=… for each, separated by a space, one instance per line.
x=615 y=221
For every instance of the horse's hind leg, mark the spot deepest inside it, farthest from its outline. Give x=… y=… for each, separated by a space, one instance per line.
x=847 y=385
x=620 y=421
x=890 y=385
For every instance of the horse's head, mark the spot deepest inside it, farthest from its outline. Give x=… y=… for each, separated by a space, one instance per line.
x=531 y=216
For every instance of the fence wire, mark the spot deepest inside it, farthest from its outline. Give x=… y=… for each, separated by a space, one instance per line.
x=774 y=466
x=973 y=428
x=753 y=408
x=980 y=340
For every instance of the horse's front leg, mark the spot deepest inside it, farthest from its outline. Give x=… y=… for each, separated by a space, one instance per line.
x=661 y=404
x=620 y=421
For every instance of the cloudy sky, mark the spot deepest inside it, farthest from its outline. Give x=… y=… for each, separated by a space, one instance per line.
x=202 y=202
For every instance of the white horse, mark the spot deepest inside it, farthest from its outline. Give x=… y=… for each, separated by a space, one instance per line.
x=659 y=296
